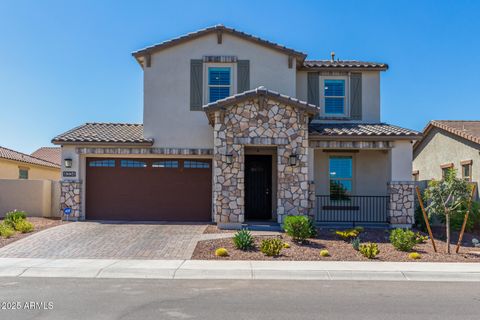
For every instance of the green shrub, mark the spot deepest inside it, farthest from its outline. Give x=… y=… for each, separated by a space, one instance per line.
x=456 y=219
x=403 y=240
x=347 y=234
x=300 y=228
x=221 y=252
x=420 y=220
x=243 y=240
x=6 y=231
x=13 y=217
x=419 y=238
x=324 y=253
x=271 y=246
x=369 y=250
x=24 y=226
x=414 y=256
x=356 y=243
x=360 y=229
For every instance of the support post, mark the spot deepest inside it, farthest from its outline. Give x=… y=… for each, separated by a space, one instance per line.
x=465 y=220
x=425 y=217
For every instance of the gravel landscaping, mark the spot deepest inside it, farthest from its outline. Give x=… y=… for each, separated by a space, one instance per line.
x=341 y=250
x=39 y=223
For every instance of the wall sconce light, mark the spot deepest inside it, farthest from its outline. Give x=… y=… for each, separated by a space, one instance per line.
x=292 y=160
x=229 y=158
x=68 y=163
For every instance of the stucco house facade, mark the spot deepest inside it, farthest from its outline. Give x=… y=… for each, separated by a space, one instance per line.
x=238 y=129
x=18 y=165
x=448 y=144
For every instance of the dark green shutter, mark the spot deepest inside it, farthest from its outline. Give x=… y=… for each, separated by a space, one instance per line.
x=243 y=75
x=196 y=84
x=313 y=88
x=356 y=96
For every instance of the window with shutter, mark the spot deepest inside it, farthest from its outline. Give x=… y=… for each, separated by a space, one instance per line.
x=219 y=83
x=334 y=98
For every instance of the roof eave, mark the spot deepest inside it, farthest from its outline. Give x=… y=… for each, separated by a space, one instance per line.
x=103 y=143
x=303 y=68
x=313 y=136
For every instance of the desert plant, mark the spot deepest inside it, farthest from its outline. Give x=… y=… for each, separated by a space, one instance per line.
x=403 y=240
x=447 y=197
x=6 y=231
x=356 y=243
x=414 y=256
x=221 y=252
x=271 y=246
x=24 y=226
x=324 y=253
x=369 y=250
x=360 y=229
x=300 y=228
x=476 y=242
x=456 y=218
x=243 y=240
x=419 y=238
x=286 y=245
x=347 y=234
x=12 y=217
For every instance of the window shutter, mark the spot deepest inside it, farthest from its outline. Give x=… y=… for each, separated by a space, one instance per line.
x=313 y=88
x=196 y=84
x=243 y=75
x=356 y=96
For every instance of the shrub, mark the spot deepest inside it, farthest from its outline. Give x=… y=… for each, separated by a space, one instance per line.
x=347 y=234
x=13 y=217
x=300 y=228
x=476 y=242
x=221 y=252
x=286 y=245
x=414 y=256
x=419 y=238
x=271 y=247
x=324 y=253
x=360 y=229
x=243 y=240
x=403 y=240
x=356 y=243
x=456 y=218
x=6 y=231
x=24 y=226
x=369 y=250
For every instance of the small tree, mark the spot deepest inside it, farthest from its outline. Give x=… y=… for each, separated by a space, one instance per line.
x=447 y=197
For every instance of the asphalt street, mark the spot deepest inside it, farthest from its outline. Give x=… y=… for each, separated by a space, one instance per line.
x=64 y=298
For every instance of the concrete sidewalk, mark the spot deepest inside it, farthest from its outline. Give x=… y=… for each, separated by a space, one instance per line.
x=247 y=270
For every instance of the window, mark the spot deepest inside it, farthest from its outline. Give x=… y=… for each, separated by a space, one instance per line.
x=132 y=164
x=340 y=176
x=445 y=168
x=165 y=164
x=219 y=83
x=22 y=173
x=188 y=164
x=334 y=98
x=102 y=163
x=467 y=170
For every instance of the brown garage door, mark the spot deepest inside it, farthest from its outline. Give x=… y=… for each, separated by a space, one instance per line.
x=148 y=189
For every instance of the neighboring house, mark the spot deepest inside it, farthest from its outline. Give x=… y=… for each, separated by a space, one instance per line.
x=448 y=144
x=17 y=165
x=50 y=154
x=238 y=129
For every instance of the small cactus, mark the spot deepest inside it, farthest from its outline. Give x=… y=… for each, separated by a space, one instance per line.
x=221 y=252
x=324 y=253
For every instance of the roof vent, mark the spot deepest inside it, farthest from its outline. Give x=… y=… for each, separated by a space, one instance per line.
x=332 y=55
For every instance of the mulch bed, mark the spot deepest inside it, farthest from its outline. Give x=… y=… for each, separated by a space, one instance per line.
x=340 y=250
x=39 y=223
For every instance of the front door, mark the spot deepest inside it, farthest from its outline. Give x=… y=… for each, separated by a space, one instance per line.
x=258 y=187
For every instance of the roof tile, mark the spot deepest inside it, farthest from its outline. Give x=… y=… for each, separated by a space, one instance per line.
x=10 y=154
x=343 y=64
x=359 y=130
x=50 y=154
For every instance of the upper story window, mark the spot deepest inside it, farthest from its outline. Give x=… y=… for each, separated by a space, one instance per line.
x=23 y=173
x=467 y=170
x=334 y=96
x=445 y=169
x=219 y=83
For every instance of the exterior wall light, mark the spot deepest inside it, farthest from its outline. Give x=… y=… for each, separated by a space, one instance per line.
x=229 y=158
x=292 y=160
x=68 y=163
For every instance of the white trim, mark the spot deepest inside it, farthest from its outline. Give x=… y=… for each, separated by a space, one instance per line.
x=346 y=110
x=233 y=82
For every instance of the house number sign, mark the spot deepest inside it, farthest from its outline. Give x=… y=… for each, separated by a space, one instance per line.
x=69 y=173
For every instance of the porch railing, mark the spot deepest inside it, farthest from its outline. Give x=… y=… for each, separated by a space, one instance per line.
x=346 y=208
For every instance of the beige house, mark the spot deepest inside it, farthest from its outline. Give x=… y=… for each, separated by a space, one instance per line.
x=448 y=144
x=239 y=129
x=17 y=165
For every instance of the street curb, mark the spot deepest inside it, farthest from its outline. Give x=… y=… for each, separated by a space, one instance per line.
x=239 y=270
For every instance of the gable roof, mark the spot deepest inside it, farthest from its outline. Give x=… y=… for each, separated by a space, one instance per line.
x=466 y=129
x=50 y=154
x=104 y=133
x=217 y=29
x=349 y=130
x=343 y=64
x=13 y=155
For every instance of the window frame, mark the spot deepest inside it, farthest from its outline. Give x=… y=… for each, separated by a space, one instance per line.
x=206 y=86
x=167 y=164
x=469 y=166
x=134 y=161
x=25 y=169
x=205 y=164
x=106 y=163
x=445 y=167
x=351 y=179
x=346 y=107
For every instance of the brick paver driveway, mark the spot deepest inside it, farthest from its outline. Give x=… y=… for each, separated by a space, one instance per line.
x=103 y=240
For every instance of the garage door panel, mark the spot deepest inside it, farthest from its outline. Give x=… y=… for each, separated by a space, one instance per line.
x=149 y=193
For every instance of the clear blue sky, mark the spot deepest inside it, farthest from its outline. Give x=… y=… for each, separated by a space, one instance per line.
x=63 y=63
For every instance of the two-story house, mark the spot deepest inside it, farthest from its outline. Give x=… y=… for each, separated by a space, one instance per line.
x=236 y=129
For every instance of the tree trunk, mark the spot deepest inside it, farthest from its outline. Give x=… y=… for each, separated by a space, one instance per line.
x=447 y=222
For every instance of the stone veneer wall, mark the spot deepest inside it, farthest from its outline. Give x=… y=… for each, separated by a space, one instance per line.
x=401 y=206
x=70 y=197
x=260 y=122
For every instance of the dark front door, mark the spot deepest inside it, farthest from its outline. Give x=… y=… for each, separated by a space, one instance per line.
x=258 y=187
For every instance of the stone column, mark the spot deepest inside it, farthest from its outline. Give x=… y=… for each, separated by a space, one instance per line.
x=70 y=197
x=401 y=209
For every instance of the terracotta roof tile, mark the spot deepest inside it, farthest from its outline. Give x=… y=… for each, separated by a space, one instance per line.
x=50 y=154
x=467 y=129
x=343 y=64
x=359 y=130
x=10 y=154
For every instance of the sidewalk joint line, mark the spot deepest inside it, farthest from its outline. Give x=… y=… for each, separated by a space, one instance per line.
x=175 y=272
